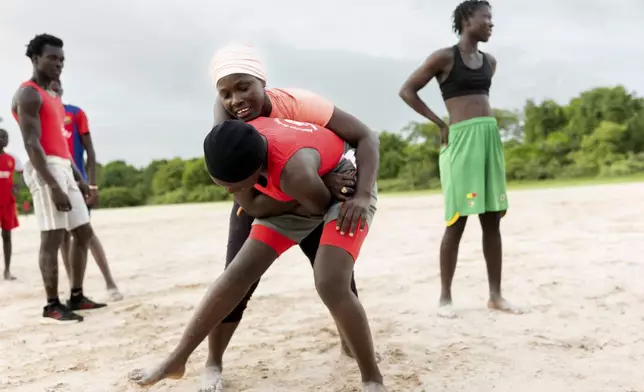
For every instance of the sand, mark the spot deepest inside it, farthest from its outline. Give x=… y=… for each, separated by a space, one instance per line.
x=573 y=262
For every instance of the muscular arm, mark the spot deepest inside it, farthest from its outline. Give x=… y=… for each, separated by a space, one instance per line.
x=436 y=63
x=301 y=181
x=28 y=103
x=258 y=205
x=366 y=142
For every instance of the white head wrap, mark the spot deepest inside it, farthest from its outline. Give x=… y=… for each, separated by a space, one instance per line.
x=236 y=58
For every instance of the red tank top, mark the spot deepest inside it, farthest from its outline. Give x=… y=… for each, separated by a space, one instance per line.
x=285 y=138
x=52 y=116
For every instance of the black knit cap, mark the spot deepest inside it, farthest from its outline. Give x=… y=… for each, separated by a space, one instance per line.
x=233 y=151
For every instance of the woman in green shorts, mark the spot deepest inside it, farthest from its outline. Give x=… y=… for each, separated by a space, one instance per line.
x=472 y=167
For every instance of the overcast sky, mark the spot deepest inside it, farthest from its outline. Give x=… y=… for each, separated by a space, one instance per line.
x=140 y=68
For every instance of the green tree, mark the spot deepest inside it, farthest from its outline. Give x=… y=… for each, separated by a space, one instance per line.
x=195 y=174
x=168 y=177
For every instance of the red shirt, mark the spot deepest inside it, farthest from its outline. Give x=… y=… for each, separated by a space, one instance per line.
x=52 y=132
x=8 y=166
x=285 y=138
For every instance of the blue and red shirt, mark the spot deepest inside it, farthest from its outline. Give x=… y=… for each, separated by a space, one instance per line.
x=76 y=126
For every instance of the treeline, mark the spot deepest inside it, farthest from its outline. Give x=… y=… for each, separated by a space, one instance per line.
x=598 y=133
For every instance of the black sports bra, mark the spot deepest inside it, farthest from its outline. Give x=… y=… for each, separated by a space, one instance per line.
x=463 y=80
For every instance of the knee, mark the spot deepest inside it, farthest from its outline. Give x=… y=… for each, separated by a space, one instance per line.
x=83 y=234
x=332 y=287
x=455 y=231
x=51 y=240
x=490 y=223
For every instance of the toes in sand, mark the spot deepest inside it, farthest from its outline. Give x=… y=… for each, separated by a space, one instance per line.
x=502 y=305
x=211 y=380
x=446 y=311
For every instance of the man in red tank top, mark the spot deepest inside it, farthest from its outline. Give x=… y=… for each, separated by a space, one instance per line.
x=293 y=157
x=56 y=186
x=9 y=165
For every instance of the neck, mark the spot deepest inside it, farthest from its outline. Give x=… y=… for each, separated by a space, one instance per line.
x=41 y=80
x=468 y=45
x=1 y=150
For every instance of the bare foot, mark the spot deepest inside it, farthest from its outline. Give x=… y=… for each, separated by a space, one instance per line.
x=8 y=276
x=498 y=303
x=149 y=377
x=211 y=379
x=445 y=309
x=374 y=387
x=347 y=351
x=114 y=294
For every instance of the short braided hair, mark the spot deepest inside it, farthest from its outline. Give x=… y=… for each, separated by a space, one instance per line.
x=464 y=11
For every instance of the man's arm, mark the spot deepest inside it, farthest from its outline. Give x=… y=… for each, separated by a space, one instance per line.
x=28 y=103
x=259 y=205
x=301 y=181
x=86 y=140
x=366 y=143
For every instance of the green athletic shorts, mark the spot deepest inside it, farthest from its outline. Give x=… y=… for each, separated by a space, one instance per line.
x=472 y=169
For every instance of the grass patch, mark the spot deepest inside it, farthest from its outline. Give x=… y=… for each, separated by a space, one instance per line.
x=543 y=184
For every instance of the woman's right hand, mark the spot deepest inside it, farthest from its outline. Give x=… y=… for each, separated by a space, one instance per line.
x=341 y=185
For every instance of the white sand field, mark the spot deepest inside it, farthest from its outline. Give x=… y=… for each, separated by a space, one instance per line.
x=573 y=262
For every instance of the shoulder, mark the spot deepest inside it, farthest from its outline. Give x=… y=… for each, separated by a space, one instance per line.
x=301 y=105
x=490 y=58
x=442 y=54
x=294 y=94
x=27 y=94
x=302 y=165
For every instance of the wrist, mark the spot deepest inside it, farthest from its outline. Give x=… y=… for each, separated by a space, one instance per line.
x=93 y=187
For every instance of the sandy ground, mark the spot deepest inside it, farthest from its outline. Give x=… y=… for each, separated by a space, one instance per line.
x=573 y=261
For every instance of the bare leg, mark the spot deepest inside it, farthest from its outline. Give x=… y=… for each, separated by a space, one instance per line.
x=333 y=271
x=493 y=253
x=48 y=260
x=78 y=263
x=65 y=250
x=218 y=339
x=78 y=254
x=224 y=294
x=310 y=246
x=448 y=259
x=98 y=252
x=6 y=247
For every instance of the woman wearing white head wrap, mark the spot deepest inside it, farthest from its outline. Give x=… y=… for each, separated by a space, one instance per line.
x=236 y=59
x=239 y=76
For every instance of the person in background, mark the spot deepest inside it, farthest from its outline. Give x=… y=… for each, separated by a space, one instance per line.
x=79 y=141
x=57 y=188
x=9 y=165
x=472 y=164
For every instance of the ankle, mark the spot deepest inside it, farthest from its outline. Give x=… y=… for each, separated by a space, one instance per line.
x=215 y=364
x=495 y=295
x=76 y=294
x=446 y=297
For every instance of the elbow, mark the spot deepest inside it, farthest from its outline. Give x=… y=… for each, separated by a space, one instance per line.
x=406 y=94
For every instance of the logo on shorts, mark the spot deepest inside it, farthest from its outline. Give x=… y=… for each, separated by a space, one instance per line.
x=470 y=198
x=502 y=197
